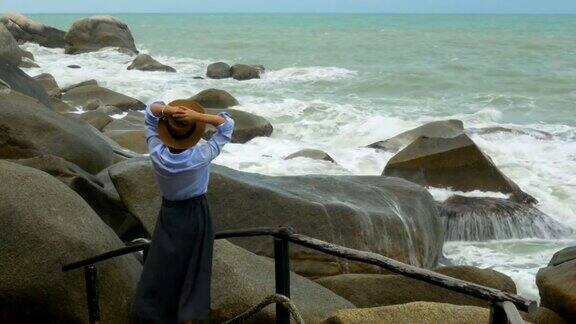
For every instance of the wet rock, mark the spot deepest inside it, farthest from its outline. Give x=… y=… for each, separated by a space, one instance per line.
x=245 y=72
x=215 y=98
x=27 y=63
x=442 y=128
x=49 y=84
x=246 y=125
x=499 y=129
x=563 y=255
x=28 y=129
x=487 y=218
x=389 y=216
x=25 y=30
x=97 y=32
x=74 y=66
x=145 y=62
x=557 y=287
x=9 y=49
x=311 y=154
x=218 y=70
x=134 y=140
x=412 y=313
x=44 y=225
x=371 y=290
x=241 y=279
x=456 y=163
x=95 y=118
x=27 y=54
x=19 y=81
x=77 y=96
x=83 y=83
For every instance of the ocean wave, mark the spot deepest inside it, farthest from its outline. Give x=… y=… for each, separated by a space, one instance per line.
x=308 y=74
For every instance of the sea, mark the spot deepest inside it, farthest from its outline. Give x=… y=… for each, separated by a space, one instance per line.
x=338 y=82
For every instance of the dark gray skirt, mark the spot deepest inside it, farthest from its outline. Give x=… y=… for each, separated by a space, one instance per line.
x=175 y=282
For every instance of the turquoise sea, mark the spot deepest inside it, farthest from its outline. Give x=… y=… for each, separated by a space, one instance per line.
x=338 y=82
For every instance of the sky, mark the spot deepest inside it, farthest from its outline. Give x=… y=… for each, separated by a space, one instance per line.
x=311 y=6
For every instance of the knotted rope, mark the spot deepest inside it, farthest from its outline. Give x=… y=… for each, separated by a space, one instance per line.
x=276 y=298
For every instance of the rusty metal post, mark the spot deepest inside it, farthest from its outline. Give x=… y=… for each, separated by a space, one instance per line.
x=282 y=275
x=91 y=278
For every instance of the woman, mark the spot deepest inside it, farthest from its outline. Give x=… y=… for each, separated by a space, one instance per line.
x=175 y=283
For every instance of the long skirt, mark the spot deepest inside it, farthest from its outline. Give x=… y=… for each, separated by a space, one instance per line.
x=175 y=282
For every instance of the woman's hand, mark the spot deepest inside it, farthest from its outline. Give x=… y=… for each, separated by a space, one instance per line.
x=186 y=116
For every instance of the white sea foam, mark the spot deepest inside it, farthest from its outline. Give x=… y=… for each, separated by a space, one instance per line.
x=441 y=194
x=308 y=74
x=520 y=259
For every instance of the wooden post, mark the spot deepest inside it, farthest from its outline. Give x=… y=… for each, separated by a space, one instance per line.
x=91 y=278
x=282 y=274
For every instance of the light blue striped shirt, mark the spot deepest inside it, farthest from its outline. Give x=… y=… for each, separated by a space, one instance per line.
x=184 y=175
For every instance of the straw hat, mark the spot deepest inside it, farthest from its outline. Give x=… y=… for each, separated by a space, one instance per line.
x=178 y=135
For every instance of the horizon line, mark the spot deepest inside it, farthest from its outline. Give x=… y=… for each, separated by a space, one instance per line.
x=297 y=12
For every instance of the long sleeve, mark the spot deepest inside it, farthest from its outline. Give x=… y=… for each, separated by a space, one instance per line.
x=151 y=125
x=212 y=148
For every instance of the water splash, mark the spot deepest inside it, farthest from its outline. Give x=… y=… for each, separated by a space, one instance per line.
x=487 y=218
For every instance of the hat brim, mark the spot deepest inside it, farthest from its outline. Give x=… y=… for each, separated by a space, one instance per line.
x=182 y=143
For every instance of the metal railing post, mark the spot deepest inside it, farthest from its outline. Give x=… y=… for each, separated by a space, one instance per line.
x=282 y=275
x=505 y=313
x=91 y=278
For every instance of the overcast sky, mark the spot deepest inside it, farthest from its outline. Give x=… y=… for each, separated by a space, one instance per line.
x=312 y=6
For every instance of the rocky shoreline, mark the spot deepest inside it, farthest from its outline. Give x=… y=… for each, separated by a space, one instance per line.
x=67 y=194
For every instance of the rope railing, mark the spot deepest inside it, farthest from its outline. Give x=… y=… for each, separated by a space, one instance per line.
x=505 y=305
x=272 y=299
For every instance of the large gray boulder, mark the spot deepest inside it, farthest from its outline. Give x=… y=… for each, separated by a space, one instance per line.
x=78 y=96
x=215 y=98
x=49 y=84
x=79 y=84
x=311 y=154
x=563 y=255
x=9 y=50
x=371 y=290
x=25 y=29
x=442 y=128
x=246 y=125
x=218 y=70
x=543 y=315
x=97 y=191
x=97 y=32
x=245 y=72
x=96 y=118
x=487 y=218
x=133 y=121
x=23 y=83
x=456 y=163
x=28 y=129
x=43 y=226
x=241 y=279
x=389 y=216
x=412 y=313
x=60 y=106
x=134 y=140
x=145 y=62
x=557 y=287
